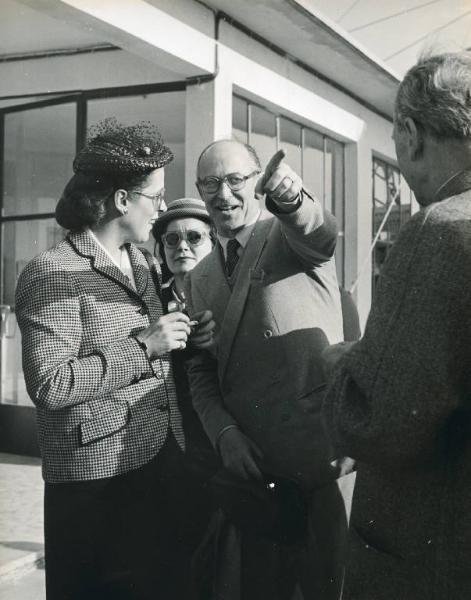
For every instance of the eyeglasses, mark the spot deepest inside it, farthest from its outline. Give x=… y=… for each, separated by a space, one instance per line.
x=172 y=239
x=157 y=199
x=235 y=181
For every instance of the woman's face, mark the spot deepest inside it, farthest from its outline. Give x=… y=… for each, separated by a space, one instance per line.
x=144 y=205
x=185 y=255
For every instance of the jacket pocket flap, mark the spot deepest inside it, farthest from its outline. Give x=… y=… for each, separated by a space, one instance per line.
x=104 y=425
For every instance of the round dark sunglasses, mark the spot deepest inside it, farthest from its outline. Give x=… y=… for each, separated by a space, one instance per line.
x=172 y=239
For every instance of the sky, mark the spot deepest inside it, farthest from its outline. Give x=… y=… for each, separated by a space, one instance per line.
x=398 y=31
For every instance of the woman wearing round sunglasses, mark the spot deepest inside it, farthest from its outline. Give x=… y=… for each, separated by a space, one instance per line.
x=184 y=235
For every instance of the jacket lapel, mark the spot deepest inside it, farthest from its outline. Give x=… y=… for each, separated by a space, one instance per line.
x=140 y=268
x=86 y=246
x=211 y=285
x=235 y=307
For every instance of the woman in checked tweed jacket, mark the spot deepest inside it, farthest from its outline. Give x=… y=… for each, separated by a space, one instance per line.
x=96 y=358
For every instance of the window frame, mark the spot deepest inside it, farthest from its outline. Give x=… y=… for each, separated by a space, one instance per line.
x=326 y=138
x=81 y=100
x=390 y=168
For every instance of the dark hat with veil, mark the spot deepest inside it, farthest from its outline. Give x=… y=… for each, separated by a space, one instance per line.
x=114 y=148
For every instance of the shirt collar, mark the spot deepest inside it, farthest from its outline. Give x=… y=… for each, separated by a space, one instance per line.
x=456 y=184
x=98 y=243
x=242 y=236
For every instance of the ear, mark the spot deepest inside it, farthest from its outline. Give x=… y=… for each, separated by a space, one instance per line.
x=415 y=138
x=199 y=189
x=121 y=201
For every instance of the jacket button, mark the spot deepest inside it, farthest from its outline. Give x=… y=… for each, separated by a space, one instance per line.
x=163 y=407
x=143 y=310
x=267 y=333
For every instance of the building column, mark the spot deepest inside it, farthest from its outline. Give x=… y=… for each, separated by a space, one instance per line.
x=358 y=224
x=208 y=118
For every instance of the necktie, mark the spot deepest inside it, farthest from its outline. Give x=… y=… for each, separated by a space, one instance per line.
x=232 y=256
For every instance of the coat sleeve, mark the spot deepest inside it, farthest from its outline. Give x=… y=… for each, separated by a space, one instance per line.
x=207 y=397
x=395 y=395
x=310 y=231
x=202 y=369
x=56 y=375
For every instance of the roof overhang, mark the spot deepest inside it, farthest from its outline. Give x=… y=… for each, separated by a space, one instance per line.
x=297 y=29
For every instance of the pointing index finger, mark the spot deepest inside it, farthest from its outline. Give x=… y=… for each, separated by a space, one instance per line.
x=274 y=163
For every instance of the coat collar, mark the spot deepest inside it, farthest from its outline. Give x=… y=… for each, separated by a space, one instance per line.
x=86 y=246
x=457 y=184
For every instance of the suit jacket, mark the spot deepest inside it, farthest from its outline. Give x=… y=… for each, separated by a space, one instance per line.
x=102 y=407
x=400 y=405
x=200 y=456
x=264 y=373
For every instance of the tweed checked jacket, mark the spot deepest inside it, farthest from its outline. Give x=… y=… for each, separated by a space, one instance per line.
x=400 y=404
x=265 y=373
x=102 y=407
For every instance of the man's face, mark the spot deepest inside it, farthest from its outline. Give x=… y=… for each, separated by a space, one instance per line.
x=230 y=210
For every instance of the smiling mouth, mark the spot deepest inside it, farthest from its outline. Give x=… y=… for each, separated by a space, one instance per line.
x=227 y=208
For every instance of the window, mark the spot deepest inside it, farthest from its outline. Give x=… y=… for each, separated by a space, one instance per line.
x=39 y=146
x=318 y=158
x=167 y=111
x=262 y=133
x=40 y=142
x=390 y=211
x=38 y=153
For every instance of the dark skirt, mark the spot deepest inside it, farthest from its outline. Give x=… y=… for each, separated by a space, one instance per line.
x=125 y=537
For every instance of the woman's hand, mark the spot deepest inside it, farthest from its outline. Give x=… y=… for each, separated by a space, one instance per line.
x=202 y=334
x=168 y=333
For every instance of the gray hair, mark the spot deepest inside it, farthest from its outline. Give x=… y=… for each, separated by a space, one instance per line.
x=436 y=94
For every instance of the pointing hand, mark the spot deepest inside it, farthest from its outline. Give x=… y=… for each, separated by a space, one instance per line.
x=279 y=181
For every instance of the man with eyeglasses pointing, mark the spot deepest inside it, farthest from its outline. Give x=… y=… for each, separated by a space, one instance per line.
x=271 y=284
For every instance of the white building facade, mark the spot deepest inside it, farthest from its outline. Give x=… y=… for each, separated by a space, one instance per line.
x=273 y=73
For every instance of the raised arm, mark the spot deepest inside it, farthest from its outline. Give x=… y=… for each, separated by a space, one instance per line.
x=310 y=231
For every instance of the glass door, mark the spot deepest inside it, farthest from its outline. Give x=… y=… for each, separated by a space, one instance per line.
x=39 y=143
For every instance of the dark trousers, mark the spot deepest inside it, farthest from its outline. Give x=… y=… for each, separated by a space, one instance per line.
x=121 y=538
x=242 y=563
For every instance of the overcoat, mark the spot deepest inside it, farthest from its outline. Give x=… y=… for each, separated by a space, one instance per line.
x=264 y=373
x=103 y=408
x=400 y=405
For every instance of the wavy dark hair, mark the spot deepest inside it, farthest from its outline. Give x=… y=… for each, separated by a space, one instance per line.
x=84 y=200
